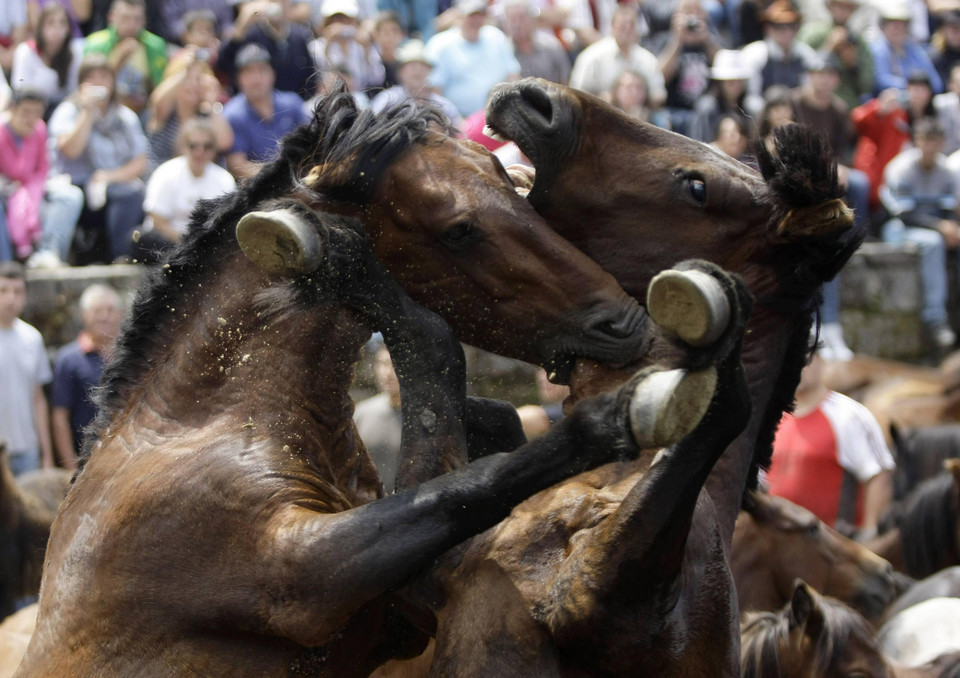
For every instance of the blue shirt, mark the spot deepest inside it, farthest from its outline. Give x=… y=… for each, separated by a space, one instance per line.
x=75 y=373
x=257 y=138
x=892 y=69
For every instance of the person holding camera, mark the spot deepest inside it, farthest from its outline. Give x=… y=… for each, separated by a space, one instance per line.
x=101 y=145
x=778 y=59
x=339 y=43
x=136 y=55
x=265 y=23
x=685 y=59
x=835 y=39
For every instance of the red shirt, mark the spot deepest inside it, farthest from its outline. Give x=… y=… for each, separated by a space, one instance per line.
x=805 y=468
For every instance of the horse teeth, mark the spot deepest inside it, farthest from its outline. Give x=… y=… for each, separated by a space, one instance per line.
x=488 y=131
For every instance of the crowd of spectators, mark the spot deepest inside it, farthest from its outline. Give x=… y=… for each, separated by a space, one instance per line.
x=99 y=97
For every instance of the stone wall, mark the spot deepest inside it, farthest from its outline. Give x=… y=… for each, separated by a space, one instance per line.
x=880 y=294
x=880 y=297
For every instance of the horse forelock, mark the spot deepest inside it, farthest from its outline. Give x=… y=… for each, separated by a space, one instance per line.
x=841 y=627
x=359 y=144
x=928 y=525
x=761 y=636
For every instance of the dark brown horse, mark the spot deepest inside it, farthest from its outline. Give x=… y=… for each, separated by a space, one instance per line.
x=777 y=542
x=920 y=535
x=28 y=505
x=810 y=637
x=575 y=565
x=226 y=519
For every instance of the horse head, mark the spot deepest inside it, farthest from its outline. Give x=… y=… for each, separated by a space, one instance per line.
x=637 y=199
x=810 y=636
x=447 y=222
x=776 y=542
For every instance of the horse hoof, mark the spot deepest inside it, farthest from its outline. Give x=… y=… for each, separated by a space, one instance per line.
x=668 y=405
x=690 y=305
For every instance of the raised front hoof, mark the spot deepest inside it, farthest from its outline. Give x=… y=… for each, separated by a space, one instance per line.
x=668 y=405
x=690 y=305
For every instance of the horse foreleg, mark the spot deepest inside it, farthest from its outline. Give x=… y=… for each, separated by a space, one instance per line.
x=616 y=590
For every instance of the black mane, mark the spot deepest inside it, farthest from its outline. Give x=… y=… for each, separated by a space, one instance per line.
x=927 y=519
x=360 y=143
x=801 y=172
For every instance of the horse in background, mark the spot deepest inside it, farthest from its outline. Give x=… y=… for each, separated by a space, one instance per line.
x=28 y=505
x=924 y=633
x=942 y=584
x=226 y=519
x=921 y=452
x=776 y=542
x=920 y=535
x=815 y=636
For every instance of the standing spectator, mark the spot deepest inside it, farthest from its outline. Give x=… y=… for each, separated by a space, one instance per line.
x=259 y=115
x=597 y=66
x=136 y=56
x=470 y=59
x=817 y=105
x=414 y=71
x=100 y=143
x=24 y=370
x=265 y=23
x=727 y=95
x=945 y=43
x=338 y=45
x=733 y=136
x=837 y=38
x=176 y=15
x=685 y=58
x=77 y=370
x=778 y=59
x=378 y=420
x=42 y=212
x=629 y=94
x=189 y=90
x=947 y=106
x=14 y=29
x=388 y=35
x=883 y=125
x=78 y=12
x=539 y=53
x=895 y=54
x=200 y=43
x=417 y=18
x=830 y=457
x=178 y=185
x=49 y=63
x=920 y=193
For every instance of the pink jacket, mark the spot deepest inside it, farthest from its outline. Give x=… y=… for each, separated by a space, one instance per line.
x=26 y=164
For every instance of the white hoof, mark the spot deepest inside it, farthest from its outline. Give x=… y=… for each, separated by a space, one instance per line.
x=690 y=305
x=666 y=406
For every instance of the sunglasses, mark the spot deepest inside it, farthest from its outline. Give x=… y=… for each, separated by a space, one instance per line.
x=200 y=147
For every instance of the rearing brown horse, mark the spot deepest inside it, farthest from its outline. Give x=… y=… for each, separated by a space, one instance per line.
x=637 y=200
x=227 y=520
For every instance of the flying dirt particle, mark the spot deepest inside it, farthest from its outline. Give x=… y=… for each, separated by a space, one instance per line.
x=222 y=321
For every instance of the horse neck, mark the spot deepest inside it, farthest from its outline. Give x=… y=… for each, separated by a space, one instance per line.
x=770 y=335
x=253 y=354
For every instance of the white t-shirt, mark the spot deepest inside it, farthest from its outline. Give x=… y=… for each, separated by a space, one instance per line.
x=173 y=191
x=30 y=71
x=23 y=366
x=861 y=449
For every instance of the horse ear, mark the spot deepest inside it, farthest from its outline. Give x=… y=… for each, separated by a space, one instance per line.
x=280 y=242
x=821 y=220
x=805 y=610
x=953 y=466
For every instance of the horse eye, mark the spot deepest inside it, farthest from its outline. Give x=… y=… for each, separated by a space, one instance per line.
x=460 y=235
x=698 y=190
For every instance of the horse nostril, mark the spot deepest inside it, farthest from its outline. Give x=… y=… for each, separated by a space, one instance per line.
x=622 y=328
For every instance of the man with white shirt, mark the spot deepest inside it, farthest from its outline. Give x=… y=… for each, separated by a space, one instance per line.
x=470 y=59
x=177 y=185
x=599 y=65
